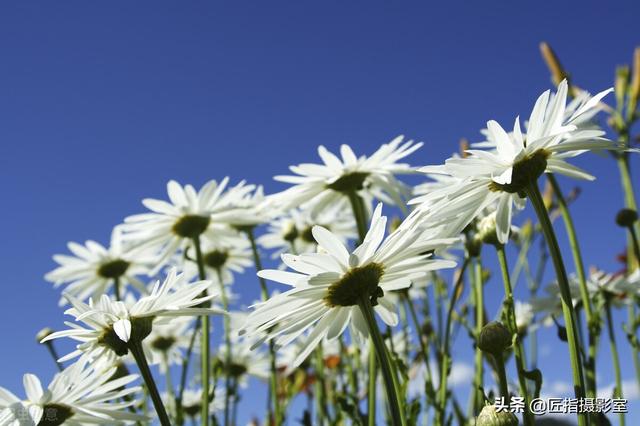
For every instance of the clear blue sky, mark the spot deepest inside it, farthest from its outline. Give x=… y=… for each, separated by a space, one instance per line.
x=102 y=102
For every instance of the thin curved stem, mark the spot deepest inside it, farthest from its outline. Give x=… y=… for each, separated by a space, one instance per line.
x=351 y=374
x=371 y=391
x=359 y=214
x=388 y=374
x=423 y=346
x=502 y=377
x=444 y=350
x=567 y=304
x=512 y=325
x=575 y=247
x=168 y=381
x=634 y=243
x=138 y=354
x=183 y=375
x=615 y=358
x=116 y=288
x=205 y=349
x=54 y=354
x=227 y=355
x=592 y=317
x=273 y=380
x=622 y=161
x=478 y=289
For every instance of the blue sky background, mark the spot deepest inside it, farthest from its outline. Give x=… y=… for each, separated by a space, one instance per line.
x=102 y=102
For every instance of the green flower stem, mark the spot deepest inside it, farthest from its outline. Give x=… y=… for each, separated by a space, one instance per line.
x=227 y=355
x=273 y=379
x=359 y=214
x=116 y=288
x=478 y=397
x=592 y=317
x=234 y=411
x=138 y=353
x=522 y=261
x=388 y=375
x=512 y=325
x=445 y=356
x=183 y=374
x=575 y=247
x=205 y=349
x=635 y=244
x=502 y=377
x=351 y=374
x=54 y=354
x=258 y=263
x=168 y=381
x=627 y=185
x=534 y=282
x=614 y=356
x=438 y=298
x=622 y=161
x=405 y=331
x=424 y=348
x=371 y=391
x=567 y=305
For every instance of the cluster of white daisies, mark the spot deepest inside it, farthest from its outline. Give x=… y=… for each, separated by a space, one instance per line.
x=337 y=251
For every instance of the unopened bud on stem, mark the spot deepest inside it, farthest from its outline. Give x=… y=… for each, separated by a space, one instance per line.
x=43 y=333
x=621 y=84
x=553 y=63
x=494 y=338
x=634 y=88
x=626 y=217
x=489 y=416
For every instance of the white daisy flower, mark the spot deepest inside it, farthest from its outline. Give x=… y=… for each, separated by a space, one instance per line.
x=501 y=177
x=189 y=215
x=437 y=183
x=371 y=177
x=328 y=286
x=244 y=362
x=111 y=325
x=94 y=269
x=167 y=343
x=78 y=395
x=619 y=289
x=524 y=315
x=584 y=121
x=224 y=260
x=254 y=205
x=292 y=231
x=192 y=402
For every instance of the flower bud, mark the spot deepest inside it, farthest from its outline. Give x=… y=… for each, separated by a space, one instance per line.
x=464 y=146
x=553 y=63
x=547 y=196
x=427 y=329
x=489 y=416
x=43 y=333
x=634 y=88
x=626 y=217
x=494 y=338
x=621 y=83
x=487 y=230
